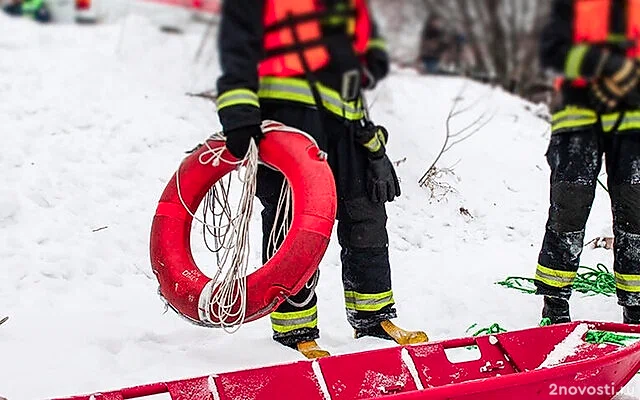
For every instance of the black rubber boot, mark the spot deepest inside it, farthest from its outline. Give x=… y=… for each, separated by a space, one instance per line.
x=631 y=315
x=389 y=331
x=556 y=310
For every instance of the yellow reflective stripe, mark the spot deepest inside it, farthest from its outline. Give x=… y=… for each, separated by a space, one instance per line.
x=337 y=19
x=572 y=117
x=609 y=120
x=574 y=60
x=377 y=44
x=573 y=111
x=616 y=37
x=554 y=277
x=630 y=121
x=380 y=135
x=628 y=282
x=237 y=96
x=289 y=321
x=367 y=301
x=298 y=90
x=374 y=144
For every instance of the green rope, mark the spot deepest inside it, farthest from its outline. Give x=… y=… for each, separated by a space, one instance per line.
x=596 y=281
x=599 y=337
x=591 y=281
x=545 y=322
x=524 y=285
x=490 y=330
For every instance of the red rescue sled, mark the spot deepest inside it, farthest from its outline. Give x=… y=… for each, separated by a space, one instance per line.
x=553 y=362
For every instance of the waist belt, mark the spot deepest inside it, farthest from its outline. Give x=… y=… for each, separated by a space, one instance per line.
x=298 y=90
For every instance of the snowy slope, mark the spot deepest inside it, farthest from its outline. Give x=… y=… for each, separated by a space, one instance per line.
x=94 y=120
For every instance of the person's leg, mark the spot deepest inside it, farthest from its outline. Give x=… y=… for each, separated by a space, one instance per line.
x=575 y=159
x=362 y=234
x=295 y=322
x=623 y=170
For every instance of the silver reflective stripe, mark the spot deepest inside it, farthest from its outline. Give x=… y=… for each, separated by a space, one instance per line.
x=556 y=278
x=628 y=284
x=352 y=300
x=293 y=321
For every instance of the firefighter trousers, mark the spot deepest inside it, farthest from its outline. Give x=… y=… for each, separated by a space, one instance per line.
x=361 y=228
x=575 y=158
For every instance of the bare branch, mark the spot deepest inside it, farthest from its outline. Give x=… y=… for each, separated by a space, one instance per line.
x=456 y=100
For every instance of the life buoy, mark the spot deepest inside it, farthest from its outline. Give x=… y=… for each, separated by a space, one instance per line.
x=183 y=285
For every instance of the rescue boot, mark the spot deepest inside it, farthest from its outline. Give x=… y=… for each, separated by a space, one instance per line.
x=387 y=330
x=631 y=315
x=556 y=310
x=311 y=350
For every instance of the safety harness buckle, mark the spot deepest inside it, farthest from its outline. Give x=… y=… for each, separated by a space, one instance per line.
x=351 y=81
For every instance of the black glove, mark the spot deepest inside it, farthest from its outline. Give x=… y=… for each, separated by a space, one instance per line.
x=238 y=139
x=617 y=80
x=373 y=138
x=605 y=96
x=376 y=67
x=382 y=181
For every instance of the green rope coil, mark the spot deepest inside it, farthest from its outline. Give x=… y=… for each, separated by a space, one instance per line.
x=595 y=281
x=590 y=281
x=599 y=337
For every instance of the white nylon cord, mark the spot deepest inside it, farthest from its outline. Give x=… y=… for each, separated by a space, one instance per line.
x=223 y=303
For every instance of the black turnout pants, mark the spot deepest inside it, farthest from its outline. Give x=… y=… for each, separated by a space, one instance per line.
x=575 y=159
x=361 y=229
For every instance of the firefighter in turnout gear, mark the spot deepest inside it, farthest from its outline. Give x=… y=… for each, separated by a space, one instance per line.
x=595 y=45
x=304 y=63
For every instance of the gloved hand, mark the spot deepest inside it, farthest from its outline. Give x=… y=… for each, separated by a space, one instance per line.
x=373 y=138
x=382 y=181
x=605 y=95
x=619 y=77
x=375 y=66
x=238 y=139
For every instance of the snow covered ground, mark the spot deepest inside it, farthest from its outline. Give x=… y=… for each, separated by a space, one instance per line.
x=93 y=122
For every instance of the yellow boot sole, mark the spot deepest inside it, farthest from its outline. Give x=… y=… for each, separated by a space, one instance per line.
x=311 y=350
x=403 y=337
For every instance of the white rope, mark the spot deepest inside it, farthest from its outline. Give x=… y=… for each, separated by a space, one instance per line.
x=282 y=221
x=223 y=301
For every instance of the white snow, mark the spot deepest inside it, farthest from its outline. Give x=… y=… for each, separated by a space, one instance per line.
x=408 y=361
x=567 y=347
x=94 y=121
x=317 y=371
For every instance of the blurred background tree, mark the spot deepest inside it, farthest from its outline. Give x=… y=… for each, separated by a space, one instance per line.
x=489 y=40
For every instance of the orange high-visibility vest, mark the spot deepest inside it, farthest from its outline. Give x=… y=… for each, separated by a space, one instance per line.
x=591 y=26
x=305 y=17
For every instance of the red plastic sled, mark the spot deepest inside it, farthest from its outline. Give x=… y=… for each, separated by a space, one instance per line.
x=551 y=362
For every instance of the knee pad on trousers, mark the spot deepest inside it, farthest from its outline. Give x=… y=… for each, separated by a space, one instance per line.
x=626 y=207
x=570 y=206
x=362 y=224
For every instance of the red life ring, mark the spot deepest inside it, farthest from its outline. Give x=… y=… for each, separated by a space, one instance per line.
x=182 y=284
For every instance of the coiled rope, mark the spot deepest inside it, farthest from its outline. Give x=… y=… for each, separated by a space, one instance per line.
x=230 y=231
x=590 y=281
